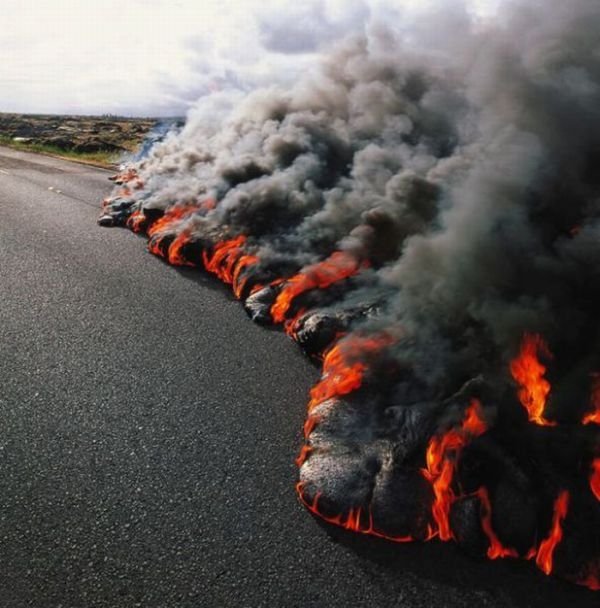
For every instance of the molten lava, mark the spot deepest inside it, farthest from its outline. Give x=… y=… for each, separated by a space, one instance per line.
x=175 y=254
x=228 y=261
x=124 y=176
x=546 y=549
x=335 y=268
x=239 y=282
x=173 y=215
x=496 y=549
x=594 y=415
x=528 y=372
x=136 y=221
x=595 y=478
x=291 y=325
x=344 y=366
x=442 y=458
x=357 y=519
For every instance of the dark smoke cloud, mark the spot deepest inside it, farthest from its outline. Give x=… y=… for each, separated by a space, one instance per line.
x=460 y=159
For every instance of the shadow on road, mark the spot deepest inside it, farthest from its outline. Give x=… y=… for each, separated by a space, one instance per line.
x=513 y=582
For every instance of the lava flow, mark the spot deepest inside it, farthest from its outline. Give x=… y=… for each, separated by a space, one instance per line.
x=528 y=372
x=496 y=549
x=171 y=216
x=344 y=366
x=356 y=520
x=469 y=187
x=337 y=267
x=127 y=175
x=594 y=415
x=595 y=478
x=545 y=553
x=442 y=458
x=137 y=221
x=175 y=253
x=343 y=370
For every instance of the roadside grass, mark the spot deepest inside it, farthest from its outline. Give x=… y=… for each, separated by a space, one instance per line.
x=102 y=158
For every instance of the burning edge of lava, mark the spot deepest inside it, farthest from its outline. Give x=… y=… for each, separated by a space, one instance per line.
x=344 y=372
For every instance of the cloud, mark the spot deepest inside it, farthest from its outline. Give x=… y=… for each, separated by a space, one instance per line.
x=159 y=56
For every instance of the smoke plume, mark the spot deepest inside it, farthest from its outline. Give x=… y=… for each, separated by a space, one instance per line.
x=422 y=214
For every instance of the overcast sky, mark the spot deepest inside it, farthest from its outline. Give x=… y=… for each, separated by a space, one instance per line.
x=155 y=57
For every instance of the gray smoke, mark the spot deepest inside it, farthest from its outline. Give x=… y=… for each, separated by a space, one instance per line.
x=460 y=159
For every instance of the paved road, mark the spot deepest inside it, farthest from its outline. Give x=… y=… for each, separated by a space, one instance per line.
x=148 y=431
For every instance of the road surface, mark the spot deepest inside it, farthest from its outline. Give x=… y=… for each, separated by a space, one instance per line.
x=148 y=432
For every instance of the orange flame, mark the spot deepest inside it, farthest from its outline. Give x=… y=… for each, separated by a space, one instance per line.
x=338 y=266
x=528 y=372
x=175 y=253
x=223 y=258
x=594 y=415
x=310 y=424
x=228 y=260
x=591 y=581
x=124 y=176
x=496 y=549
x=545 y=552
x=154 y=246
x=358 y=519
x=344 y=366
x=595 y=478
x=442 y=457
x=304 y=454
x=136 y=220
x=207 y=204
x=291 y=325
x=239 y=282
x=172 y=216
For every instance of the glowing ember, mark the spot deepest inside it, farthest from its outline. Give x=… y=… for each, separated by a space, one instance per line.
x=304 y=454
x=595 y=478
x=547 y=546
x=357 y=519
x=228 y=261
x=441 y=459
x=528 y=372
x=173 y=215
x=592 y=582
x=175 y=255
x=335 y=268
x=136 y=221
x=238 y=281
x=125 y=176
x=594 y=415
x=291 y=325
x=344 y=366
x=496 y=549
x=208 y=204
x=309 y=425
x=155 y=246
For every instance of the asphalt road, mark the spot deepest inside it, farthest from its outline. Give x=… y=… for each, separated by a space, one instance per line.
x=148 y=432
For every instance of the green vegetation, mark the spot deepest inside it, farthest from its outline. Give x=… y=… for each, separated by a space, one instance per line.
x=98 y=140
x=104 y=158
